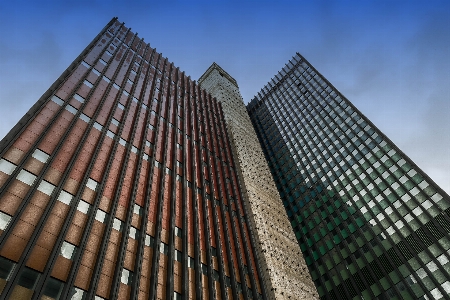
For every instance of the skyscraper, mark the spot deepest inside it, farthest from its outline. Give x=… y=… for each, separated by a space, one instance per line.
x=370 y=223
x=129 y=180
x=120 y=183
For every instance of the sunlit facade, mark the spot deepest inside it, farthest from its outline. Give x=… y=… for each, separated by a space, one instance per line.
x=120 y=184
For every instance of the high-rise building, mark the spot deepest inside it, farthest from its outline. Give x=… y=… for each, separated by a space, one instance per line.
x=120 y=183
x=369 y=222
x=129 y=180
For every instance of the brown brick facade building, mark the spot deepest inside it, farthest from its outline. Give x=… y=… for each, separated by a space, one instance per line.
x=120 y=183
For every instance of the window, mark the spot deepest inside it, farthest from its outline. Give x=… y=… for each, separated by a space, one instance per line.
x=40 y=155
x=132 y=233
x=7 y=167
x=115 y=122
x=78 y=98
x=149 y=240
x=85 y=118
x=110 y=134
x=227 y=281
x=67 y=250
x=6 y=266
x=57 y=100
x=65 y=197
x=190 y=262
x=4 y=221
x=83 y=207
x=26 y=177
x=204 y=269
x=117 y=224
x=177 y=231
x=46 y=187
x=137 y=209
x=178 y=255
x=98 y=126
x=88 y=84
x=100 y=216
x=92 y=184
x=28 y=278
x=163 y=248
x=71 y=109
x=126 y=277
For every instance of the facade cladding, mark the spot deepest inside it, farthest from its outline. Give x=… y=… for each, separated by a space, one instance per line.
x=370 y=223
x=120 y=183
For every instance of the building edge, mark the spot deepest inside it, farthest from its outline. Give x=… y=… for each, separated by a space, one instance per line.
x=21 y=125
x=404 y=155
x=255 y=102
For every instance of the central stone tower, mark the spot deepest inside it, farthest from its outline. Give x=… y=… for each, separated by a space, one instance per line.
x=285 y=273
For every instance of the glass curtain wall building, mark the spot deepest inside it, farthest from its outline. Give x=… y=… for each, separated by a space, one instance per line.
x=370 y=223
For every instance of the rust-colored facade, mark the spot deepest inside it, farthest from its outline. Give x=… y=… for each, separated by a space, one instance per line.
x=120 y=183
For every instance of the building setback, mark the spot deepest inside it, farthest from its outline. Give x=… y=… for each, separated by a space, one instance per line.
x=120 y=183
x=370 y=223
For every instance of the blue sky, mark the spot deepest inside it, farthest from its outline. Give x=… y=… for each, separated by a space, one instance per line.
x=390 y=58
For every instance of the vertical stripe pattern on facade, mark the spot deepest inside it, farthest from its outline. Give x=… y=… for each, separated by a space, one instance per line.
x=120 y=184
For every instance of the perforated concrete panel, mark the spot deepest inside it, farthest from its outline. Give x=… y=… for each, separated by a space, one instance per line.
x=285 y=271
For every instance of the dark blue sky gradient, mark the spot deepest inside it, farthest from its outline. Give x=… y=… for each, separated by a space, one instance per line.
x=390 y=58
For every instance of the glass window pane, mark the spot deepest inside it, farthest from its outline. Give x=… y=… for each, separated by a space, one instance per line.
x=26 y=177
x=28 y=278
x=4 y=220
x=67 y=250
x=40 y=155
